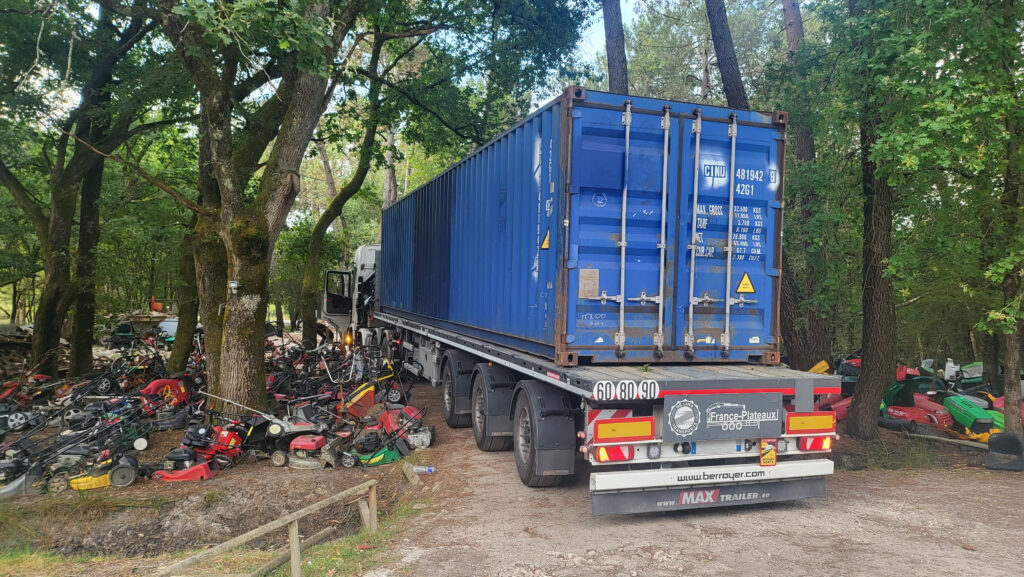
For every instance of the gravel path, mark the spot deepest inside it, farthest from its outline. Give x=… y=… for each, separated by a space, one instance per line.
x=483 y=522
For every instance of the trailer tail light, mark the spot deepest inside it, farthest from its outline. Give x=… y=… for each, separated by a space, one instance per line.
x=614 y=454
x=816 y=443
x=811 y=423
x=627 y=430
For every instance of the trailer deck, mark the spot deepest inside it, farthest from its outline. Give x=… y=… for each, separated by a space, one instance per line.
x=638 y=382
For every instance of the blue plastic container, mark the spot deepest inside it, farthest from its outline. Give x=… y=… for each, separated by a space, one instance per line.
x=520 y=243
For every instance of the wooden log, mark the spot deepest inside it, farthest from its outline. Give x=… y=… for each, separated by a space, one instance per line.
x=294 y=548
x=283 y=558
x=971 y=444
x=263 y=530
x=409 y=474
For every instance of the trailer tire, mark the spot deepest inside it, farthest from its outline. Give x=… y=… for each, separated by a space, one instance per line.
x=454 y=420
x=524 y=438
x=484 y=442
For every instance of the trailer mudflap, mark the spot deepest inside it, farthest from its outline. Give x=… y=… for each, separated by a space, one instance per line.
x=705 y=496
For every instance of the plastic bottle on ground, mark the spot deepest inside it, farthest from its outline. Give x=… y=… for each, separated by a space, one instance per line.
x=421 y=470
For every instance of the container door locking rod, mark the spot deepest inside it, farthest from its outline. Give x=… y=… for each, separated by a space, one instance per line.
x=688 y=339
x=659 y=337
x=729 y=301
x=620 y=337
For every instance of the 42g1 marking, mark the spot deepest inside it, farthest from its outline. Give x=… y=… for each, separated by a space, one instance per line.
x=627 y=390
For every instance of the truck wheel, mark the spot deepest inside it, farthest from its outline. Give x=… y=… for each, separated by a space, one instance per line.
x=525 y=445
x=454 y=420
x=479 y=414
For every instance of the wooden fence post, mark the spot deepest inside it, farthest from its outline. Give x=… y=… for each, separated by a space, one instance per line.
x=373 y=508
x=293 y=545
x=260 y=531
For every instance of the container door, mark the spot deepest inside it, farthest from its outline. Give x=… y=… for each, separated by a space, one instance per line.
x=621 y=265
x=726 y=303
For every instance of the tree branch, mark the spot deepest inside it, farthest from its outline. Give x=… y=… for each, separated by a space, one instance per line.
x=458 y=131
x=25 y=201
x=173 y=192
x=158 y=124
x=410 y=33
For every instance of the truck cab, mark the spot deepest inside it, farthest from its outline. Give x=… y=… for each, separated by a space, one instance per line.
x=349 y=296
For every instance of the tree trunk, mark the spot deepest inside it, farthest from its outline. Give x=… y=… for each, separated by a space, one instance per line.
x=1012 y=201
x=805 y=334
x=705 y=72
x=615 y=46
x=1011 y=380
x=990 y=343
x=878 y=300
x=794 y=26
x=188 y=306
x=84 y=318
x=279 y=313
x=57 y=291
x=245 y=308
x=210 y=262
x=14 y=302
x=725 y=54
x=211 y=285
x=294 y=313
x=391 y=180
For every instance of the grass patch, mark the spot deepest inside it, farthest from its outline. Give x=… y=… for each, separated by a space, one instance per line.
x=211 y=498
x=911 y=454
x=16 y=530
x=345 y=558
x=21 y=525
x=29 y=562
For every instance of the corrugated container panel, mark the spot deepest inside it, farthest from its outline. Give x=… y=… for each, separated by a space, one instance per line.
x=523 y=237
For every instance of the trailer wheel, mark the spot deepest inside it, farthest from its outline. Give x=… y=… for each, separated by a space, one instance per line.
x=454 y=420
x=479 y=414
x=524 y=439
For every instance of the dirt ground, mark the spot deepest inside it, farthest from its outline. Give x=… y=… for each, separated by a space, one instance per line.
x=947 y=520
x=477 y=519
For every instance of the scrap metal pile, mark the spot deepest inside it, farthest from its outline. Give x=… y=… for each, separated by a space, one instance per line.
x=955 y=401
x=329 y=407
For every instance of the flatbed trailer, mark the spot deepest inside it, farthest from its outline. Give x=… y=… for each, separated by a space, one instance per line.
x=601 y=283
x=482 y=383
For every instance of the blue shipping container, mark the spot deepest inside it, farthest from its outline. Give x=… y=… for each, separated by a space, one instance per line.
x=521 y=243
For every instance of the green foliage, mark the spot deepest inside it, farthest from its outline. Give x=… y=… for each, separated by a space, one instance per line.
x=290 y=257
x=670 y=42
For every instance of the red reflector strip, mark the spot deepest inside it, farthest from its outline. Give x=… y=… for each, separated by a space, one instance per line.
x=811 y=423
x=624 y=430
x=613 y=454
x=816 y=443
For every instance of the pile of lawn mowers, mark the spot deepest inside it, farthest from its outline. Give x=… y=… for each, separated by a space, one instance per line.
x=928 y=400
x=328 y=407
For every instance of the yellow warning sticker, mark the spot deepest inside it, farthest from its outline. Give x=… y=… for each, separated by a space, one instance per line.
x=547 y=242
x=745 y=285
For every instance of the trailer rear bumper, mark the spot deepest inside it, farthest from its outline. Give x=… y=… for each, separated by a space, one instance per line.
x=623 y=492
x=650 y=500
